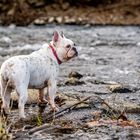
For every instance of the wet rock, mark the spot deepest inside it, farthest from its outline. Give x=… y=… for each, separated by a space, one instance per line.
x=51 y=19
x=118 y=88
x=74 y=79
x=74 y=82
x=69 y=20
x=12 y=26
x=40 y=21
x=59 y=20
x=75 y=74
x=81 y=21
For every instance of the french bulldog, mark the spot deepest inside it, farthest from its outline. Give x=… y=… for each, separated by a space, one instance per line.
x=38 y=70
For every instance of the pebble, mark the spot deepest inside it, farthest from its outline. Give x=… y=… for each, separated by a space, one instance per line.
x=51 y=19
x=39 y=22
x=69 y=20
x=75 y=74
x=59 y=19
x=118 y=88
x=12 y=26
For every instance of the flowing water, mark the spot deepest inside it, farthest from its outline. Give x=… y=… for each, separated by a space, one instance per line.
x=106 y=54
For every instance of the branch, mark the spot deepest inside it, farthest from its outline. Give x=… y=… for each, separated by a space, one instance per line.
x=44 y=126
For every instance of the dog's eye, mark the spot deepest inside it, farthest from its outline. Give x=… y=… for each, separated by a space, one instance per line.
x=74 y=44
x=68 y=46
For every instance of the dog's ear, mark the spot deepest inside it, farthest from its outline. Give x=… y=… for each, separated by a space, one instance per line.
x=56 y=36
x=62 y=34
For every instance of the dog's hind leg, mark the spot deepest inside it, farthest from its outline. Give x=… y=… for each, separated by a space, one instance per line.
x=5 y=95
x=23 y=95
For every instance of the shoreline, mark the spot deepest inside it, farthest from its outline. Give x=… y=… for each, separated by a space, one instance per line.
x=24 y=13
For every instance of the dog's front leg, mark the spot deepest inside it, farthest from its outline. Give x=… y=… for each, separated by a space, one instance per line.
x=42 y=96
x=52 y=93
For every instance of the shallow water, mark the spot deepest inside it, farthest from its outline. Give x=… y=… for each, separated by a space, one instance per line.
x=106 y=53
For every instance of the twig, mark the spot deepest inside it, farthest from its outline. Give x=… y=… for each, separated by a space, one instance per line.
x=36 y=129
x=68 y=108
x=104 y=102
x=112 y=110
x=42 y=127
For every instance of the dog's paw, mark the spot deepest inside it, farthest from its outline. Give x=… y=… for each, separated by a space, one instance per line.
x=43 y=101
x=55 y=109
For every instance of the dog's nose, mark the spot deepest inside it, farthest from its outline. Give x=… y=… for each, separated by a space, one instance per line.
x=76 y=53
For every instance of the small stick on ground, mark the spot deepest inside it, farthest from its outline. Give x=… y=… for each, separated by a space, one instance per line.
x=104 y=102
x=44 y=126
x=68 y=108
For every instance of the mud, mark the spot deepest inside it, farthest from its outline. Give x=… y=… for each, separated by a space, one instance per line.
x=108 y=55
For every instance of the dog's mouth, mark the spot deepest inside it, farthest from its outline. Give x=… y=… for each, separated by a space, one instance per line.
x=71 y=53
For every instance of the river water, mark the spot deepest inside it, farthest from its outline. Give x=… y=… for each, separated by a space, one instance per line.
x=106 y=54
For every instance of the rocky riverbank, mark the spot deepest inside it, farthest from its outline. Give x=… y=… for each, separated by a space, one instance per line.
x=40 y=12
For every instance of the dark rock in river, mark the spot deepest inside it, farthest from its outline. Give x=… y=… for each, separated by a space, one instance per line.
x=74 y=81
x=74 y=74
x=118 y=88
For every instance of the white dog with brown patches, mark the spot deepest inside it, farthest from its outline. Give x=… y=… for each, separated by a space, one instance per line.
x=36 y=71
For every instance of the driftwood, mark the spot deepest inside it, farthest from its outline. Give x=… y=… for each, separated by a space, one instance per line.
x=124 y=110
x=46 y=126
x=57 y=114
x=47 y=117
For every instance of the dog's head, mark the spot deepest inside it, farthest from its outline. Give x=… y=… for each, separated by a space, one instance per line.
x=65 y=48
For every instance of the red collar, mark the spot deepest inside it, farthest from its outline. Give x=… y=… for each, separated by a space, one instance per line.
x=55 y=54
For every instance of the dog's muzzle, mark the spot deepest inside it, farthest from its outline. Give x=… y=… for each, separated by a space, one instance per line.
x=75 y=50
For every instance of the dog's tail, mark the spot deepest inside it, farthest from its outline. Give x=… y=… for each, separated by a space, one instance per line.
x=6 y=83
